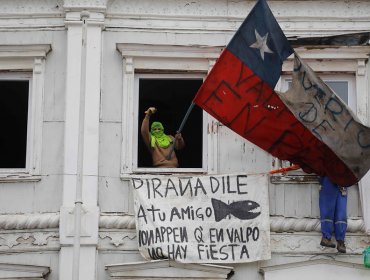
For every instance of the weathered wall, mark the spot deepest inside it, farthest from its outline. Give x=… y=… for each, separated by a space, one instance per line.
x=113 y=193
x=45 y=195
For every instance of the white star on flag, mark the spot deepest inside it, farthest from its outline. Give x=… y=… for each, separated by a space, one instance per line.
x=261 y=44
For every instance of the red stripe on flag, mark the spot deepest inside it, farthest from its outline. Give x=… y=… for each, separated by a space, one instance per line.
x=239 y=99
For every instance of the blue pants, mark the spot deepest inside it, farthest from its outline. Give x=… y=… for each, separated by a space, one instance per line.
x=333 y=210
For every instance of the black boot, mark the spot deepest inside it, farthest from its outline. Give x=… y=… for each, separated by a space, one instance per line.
x=341 y=247
x=327 y=243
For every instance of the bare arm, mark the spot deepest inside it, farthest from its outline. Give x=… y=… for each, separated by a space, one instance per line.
x=145 y=134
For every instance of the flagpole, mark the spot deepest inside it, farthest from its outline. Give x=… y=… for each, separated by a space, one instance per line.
x=181 y=127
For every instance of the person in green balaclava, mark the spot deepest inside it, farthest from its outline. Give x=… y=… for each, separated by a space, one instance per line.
x=157 y=136
x=159 y=143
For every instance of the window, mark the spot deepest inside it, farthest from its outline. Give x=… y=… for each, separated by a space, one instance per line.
x=22 y=72
x=167 y=77
x=171 y=95
x=14 y=103
x=344 y=86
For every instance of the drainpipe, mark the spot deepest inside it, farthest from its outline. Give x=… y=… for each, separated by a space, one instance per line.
x=78 y=200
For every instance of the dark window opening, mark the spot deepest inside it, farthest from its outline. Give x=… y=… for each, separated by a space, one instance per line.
x=13 y=122
x=172 y=98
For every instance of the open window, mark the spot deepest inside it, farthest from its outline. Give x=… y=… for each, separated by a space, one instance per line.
x=167 y=77
x=22 y=72
x=14 y=100
x=171 y=95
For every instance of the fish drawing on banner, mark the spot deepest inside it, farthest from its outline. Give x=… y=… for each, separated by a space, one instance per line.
x=243 y=210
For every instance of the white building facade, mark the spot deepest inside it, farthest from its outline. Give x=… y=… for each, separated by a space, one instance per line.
x=84 y=72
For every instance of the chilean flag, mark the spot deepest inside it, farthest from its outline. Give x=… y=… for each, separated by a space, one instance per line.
x=239 y=92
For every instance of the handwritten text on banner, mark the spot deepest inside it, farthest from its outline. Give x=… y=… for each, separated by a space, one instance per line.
x=205 y=219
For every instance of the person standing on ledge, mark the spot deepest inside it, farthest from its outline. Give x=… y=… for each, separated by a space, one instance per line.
x=333 y=213
x=159 y=143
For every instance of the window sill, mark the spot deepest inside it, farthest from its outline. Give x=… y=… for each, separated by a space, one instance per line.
x=18 y=177
x=294 y=179
x=163 y=171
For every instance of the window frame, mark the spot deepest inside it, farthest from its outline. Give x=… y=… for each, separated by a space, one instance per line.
x=21 y=61
x=138 y=115
x=298 y=175
x=330 y=77
x=163 y=59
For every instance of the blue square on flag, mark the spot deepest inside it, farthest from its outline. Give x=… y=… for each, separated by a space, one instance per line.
x=261 y=44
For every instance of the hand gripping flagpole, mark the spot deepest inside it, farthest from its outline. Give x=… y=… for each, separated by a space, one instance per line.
x=180 y=128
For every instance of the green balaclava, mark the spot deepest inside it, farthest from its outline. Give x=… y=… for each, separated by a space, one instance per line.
x=158 y=136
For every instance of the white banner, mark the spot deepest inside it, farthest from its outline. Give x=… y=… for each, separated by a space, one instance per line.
x=205 y=219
